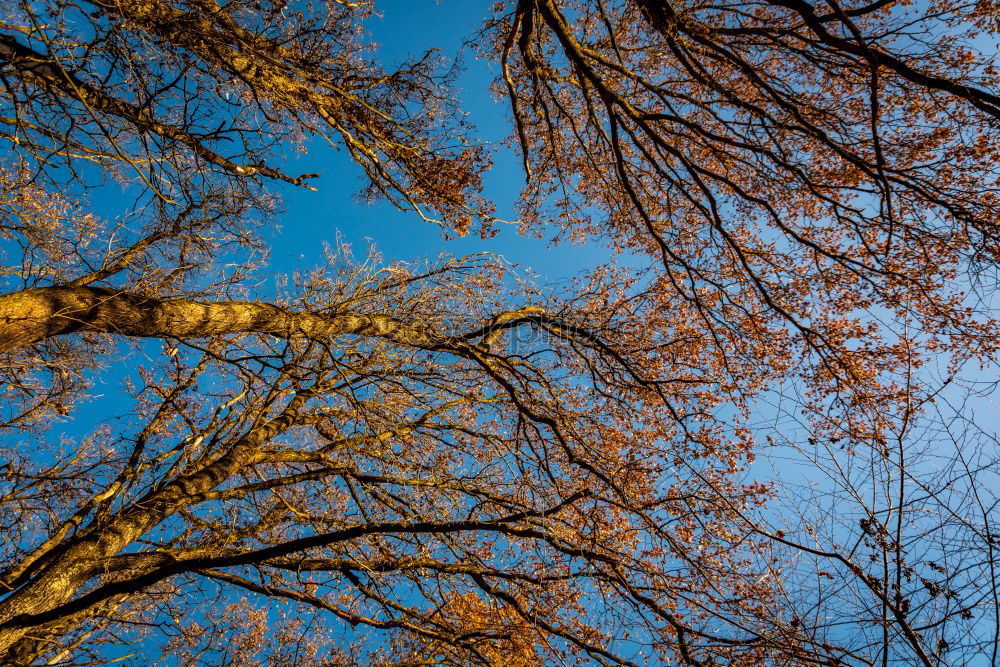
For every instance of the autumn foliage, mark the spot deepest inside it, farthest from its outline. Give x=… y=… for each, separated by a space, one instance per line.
x=440 y=462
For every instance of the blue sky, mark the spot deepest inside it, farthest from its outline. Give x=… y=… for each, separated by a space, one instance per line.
x=333 y=214
x=403 y=29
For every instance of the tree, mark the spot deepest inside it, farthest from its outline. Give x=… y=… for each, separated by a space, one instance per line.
x=818 y=183
x=381 y=448
x=385 y=479
x=369 y=447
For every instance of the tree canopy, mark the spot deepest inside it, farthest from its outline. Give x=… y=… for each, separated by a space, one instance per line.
x=442 y=462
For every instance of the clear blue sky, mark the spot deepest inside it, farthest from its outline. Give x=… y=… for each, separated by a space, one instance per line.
x=406 y=28
x=311 y=219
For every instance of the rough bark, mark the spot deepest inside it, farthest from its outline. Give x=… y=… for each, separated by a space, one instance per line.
x=31 y=316
x=76 y=563
x=44 y=584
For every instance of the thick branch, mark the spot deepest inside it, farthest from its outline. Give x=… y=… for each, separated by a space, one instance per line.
x=502 y=525
x=983 y=100
x=33 y=315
